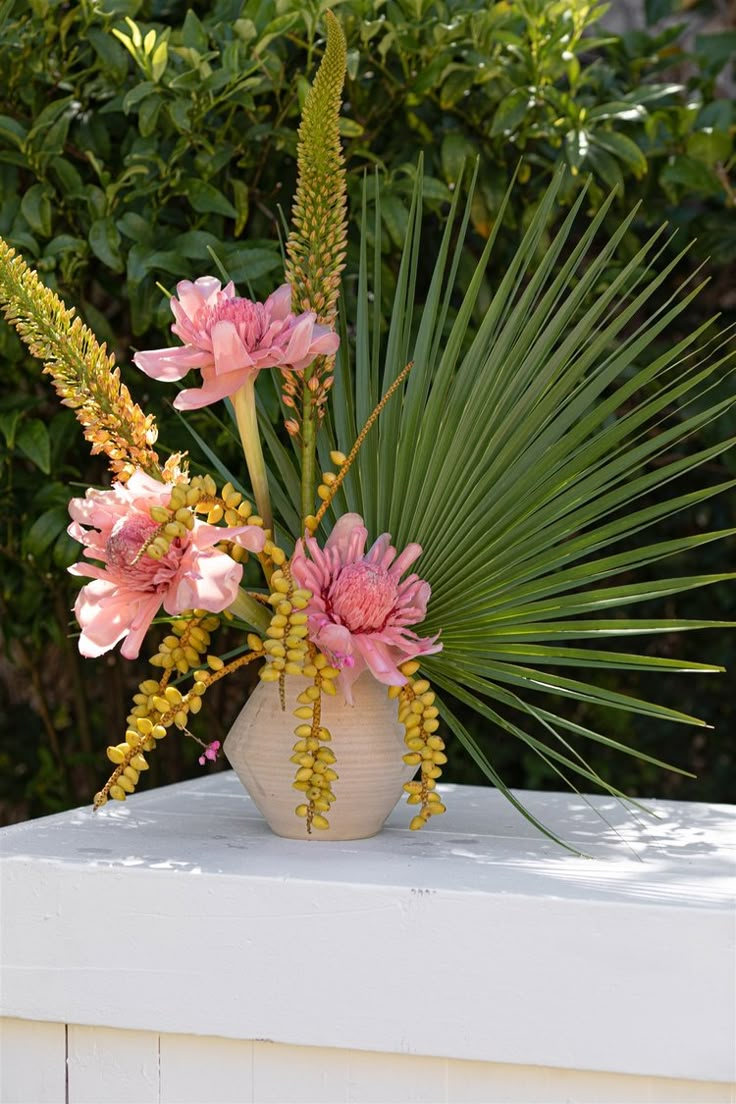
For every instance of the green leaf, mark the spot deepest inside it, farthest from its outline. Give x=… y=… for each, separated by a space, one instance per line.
x=690 y=174
x=348 y=128
x=12 y=132
x=8 y=425
x=577 y=144
x=135 y=95
x=242 y=205
x=275 y=29
x=33 y=441
x=37 y=210
x=457 y=151
x=148 y=114
x=622 y=148
x=510 y=112
x=616 y=109
x=45 y=531
x=113 y=57
x=709 y=146
x=717 y=50
x=104 y=240
x=207 y=199
x=248 y=262
x=193 y=34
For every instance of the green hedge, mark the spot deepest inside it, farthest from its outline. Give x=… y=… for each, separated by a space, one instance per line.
x=137 y=139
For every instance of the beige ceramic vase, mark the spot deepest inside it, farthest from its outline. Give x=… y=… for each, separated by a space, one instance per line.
x=367 y=740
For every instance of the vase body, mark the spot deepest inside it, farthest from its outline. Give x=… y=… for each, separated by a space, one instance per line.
x=368 y=743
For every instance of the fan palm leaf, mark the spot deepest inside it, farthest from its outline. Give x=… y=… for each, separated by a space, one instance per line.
x=522 y=449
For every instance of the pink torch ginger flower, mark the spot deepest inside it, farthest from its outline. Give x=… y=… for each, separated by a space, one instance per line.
x=229 y=339
x=360 y=610
x=128 y=590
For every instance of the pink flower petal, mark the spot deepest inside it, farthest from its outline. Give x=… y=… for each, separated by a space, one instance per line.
x=251 y=537
x=278 y=303
x=348 y=537
x=196 y=397
x=228 y=349
x=168 y=365
x=193 y=296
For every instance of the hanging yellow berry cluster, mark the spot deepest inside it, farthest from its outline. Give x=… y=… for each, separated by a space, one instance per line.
x=419 y=716
x=314 y=761
x=157 y=705
x=286 y=644
x=183 y=648
x=199 y=496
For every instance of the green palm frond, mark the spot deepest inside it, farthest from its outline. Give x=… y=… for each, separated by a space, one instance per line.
x=527 y=454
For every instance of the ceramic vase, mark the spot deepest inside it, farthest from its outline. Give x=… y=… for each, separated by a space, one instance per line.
x=368 y=743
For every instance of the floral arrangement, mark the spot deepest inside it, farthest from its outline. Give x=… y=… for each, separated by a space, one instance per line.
x=508 y=450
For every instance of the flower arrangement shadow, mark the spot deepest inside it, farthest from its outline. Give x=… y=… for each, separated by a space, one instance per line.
x=513 y=456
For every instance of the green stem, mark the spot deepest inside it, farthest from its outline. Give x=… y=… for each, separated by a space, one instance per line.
x=309 y=447
x=252 y=612
x=244 y=402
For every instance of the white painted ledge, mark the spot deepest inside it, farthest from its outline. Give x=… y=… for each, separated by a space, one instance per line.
x=178 y=912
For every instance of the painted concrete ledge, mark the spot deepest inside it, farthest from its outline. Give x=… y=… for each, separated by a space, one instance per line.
x=178 y=912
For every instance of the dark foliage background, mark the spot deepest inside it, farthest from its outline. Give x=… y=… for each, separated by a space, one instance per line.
x=138 y=135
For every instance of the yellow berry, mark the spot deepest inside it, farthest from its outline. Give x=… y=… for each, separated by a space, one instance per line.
x=268 y=674
x=215 y=662
x=435 y=808
x=417 y=822
x=115 y=755
x=318 y=821
x=118 y=793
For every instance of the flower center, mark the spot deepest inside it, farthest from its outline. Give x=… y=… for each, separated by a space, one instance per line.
x=363 y=596
x=124 y=545
x=250 y=319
